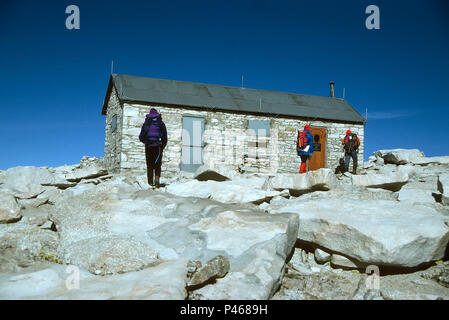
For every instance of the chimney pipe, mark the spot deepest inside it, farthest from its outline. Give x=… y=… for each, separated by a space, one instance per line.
x=332 y=89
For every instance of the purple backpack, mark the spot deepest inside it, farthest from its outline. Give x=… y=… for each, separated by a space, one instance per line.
x=153 y=133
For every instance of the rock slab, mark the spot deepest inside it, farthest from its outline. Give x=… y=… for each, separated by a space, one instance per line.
x=9 y=208
x=321 y=179
x=393 y=181
x=215 y=268
x=165 y=281
x=380 y=232
x=400 y=156
x=255 y=243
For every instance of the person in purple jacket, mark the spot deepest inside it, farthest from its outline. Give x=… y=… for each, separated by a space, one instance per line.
x=154 y=136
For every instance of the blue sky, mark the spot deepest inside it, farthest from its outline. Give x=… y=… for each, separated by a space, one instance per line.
x=53 y=80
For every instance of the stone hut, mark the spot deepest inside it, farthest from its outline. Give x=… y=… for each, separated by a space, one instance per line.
x=239 y=128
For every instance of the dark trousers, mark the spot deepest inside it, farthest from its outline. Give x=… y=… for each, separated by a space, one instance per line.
x=304 y=159
x=153 y=157
x=348 y=157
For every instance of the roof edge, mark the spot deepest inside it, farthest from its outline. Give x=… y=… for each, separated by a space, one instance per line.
x=107 y=97
x=112 y=82
x=200 y=108
x=226 y=86
x=355 y=110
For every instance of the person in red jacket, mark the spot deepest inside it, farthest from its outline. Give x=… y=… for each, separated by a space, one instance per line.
x=351 y=145
x=306 y=151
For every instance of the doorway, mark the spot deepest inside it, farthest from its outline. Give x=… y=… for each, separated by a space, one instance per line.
x=192 y=143
x=318 y=160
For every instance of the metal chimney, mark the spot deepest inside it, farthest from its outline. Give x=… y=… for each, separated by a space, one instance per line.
x=332 y=89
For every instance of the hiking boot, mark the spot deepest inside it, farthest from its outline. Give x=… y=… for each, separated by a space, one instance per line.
x=354 y=170
x=157 y=183
x=150 y=179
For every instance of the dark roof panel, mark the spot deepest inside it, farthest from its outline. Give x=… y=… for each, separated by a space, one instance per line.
x=189 y=94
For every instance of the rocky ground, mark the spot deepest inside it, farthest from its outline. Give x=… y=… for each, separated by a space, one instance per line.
x=79 y=232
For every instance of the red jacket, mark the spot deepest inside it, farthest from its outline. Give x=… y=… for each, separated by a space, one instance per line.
x=345 y=139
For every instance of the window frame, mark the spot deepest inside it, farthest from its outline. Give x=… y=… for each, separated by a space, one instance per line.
x=113 y=123
x=254 y=127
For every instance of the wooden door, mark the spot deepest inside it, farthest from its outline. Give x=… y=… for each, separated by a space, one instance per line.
x=318 y=160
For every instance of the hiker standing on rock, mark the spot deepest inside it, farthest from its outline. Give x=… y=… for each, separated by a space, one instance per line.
x=351 y=145
x=304 y=147
x=154 y=136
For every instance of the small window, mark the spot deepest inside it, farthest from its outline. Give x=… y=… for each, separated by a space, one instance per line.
x=114 y=123
x=260 y=128
x=316 y=143
x=258 y=133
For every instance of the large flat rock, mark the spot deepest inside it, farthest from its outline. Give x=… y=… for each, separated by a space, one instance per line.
x=378 y=232
x=9 y=208
x=440 y=160
x=76 y=173
x=443 y=183
x=407 y=156
x=111 y=255
x=256 y=244
x=206 y=172
x=88 y=168
x=392 y=181
x=415 y=195
x=236 y=191
x=321 y=179
x=347 y=285
x=22 y=244
x=26 y=182
x=443 y=187
x=400 y=156
x=165 y=281
x=344 y=192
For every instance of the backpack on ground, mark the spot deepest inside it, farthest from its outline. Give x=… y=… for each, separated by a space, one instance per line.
x=301 y=141
x=351 y=142
x=341 y=166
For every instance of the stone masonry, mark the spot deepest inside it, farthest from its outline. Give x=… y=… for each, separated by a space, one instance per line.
x=225 y=139
x=113 y=140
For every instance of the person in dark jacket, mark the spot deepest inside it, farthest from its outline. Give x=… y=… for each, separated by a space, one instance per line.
x=306 y=152
x=351 y=145
x=154 y=136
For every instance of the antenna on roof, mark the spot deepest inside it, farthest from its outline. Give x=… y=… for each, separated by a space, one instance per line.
x=366 y=113
x=112 y=67
x=344 y=92
x=242 y=80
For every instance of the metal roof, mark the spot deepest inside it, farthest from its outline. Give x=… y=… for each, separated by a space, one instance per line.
x=233 y=99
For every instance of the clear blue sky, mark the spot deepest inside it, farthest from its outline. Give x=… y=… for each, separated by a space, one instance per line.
x=53 y=80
